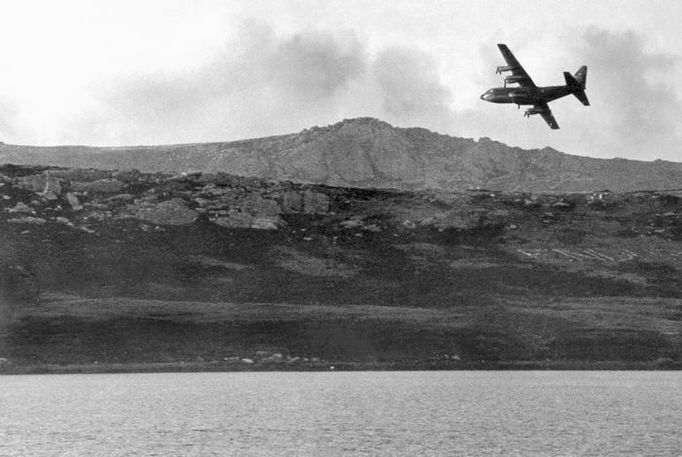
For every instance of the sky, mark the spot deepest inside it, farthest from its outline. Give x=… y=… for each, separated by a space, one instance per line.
x=119 y=72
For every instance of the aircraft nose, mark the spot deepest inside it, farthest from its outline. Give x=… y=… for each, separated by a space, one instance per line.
x=483 y=95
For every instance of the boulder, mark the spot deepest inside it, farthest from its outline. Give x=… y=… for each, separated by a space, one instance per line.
x=234 y=219
x=202 y=201
x=664 y=362
x=372 y=228
x=292 y=202
x=50 y=195
x=43 y=183
x=170 y=212
x=255 y=204
x=27 y=220
x=315 y=202
x=73 y=201
x=65 y=221
x=562 y=204
x=408 y=224
x=267 y=223
x=351 y=223
x=225 y=179
x=531 y=203
x=274 y=358
x=21 y=207
x=121 y=197
x=129 y=176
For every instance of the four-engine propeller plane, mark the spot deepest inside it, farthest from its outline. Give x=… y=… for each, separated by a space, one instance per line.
x=527 y=93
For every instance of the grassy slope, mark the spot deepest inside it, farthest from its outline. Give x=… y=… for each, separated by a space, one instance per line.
x=481 y=278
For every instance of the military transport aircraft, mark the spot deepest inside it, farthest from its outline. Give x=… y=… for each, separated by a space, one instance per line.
x=527 y=93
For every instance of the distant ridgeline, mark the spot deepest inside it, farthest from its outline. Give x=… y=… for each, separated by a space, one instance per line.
x=367 y=152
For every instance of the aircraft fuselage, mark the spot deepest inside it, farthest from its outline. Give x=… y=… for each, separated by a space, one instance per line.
x=526 y=95
x=525 y=92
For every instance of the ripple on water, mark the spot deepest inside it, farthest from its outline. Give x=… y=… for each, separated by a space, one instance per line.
x=329 y=414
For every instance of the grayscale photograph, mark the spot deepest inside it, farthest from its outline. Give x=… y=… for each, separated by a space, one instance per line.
x=318 y=228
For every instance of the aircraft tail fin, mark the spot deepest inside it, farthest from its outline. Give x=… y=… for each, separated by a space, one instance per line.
x=577 y=83
x=581 y=76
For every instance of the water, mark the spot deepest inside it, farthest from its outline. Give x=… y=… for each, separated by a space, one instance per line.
x=329 y=414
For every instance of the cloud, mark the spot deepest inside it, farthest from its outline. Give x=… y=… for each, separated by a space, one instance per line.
x=640 y=112
x=410 y=84
x=315 y=65
x=258 y=85
x=266 y=83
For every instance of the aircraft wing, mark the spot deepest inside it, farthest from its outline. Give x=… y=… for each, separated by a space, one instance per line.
x=546 y=114
x=515 y=67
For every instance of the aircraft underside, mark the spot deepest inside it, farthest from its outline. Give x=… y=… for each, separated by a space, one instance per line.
x=510 y=95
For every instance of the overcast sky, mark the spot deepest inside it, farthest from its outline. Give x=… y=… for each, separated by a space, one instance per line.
x=152 y=72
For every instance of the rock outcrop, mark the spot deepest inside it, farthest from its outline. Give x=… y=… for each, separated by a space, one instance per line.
x=47 y=186
x=40 y=183
x=105 y=186
x=72 y=200
x=306 y=201
x=315 y=202
x=27 y=220
x=21 y=207
x=171 y=212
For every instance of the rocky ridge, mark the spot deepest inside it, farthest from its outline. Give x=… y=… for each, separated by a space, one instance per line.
x=367 y=152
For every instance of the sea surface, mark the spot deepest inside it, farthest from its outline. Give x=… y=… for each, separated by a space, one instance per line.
x=493 y=413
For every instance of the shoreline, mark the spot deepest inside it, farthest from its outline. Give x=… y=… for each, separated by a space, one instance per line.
x=217 y=366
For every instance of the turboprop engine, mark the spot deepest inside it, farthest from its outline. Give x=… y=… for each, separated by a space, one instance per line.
x=513 y=79
x=530 y=111
x=500 y=69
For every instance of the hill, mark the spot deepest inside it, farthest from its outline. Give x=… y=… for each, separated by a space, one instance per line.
x=367 y=152
x=109 y=270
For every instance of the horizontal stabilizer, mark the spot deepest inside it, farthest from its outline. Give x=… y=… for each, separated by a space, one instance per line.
x=577 y=83
x=580 y=95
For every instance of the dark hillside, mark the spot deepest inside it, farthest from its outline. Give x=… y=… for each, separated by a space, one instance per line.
x=215 y=271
